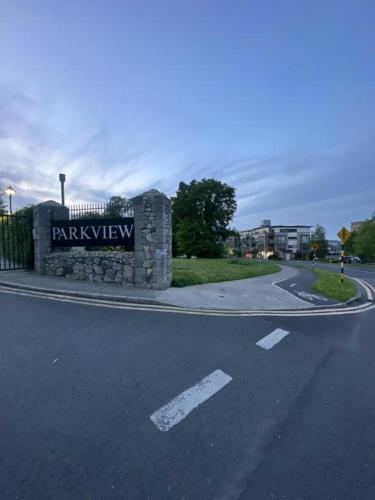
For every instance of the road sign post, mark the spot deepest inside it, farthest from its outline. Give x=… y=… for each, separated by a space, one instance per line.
x=344 y=235
x=315 y=247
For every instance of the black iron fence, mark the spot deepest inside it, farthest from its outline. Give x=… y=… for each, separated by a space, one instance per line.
x=96 y=226
x=108 y=210
x=16 y=242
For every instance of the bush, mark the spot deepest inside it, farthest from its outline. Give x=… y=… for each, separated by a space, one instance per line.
x=274 y=257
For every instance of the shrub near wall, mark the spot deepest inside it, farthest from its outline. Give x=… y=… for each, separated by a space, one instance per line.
x=106 y=267
x=16 y=237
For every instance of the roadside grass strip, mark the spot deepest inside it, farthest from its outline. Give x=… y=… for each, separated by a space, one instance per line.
x=187 y=272
x=272 y=339
x=178 y=408
x=330 y=285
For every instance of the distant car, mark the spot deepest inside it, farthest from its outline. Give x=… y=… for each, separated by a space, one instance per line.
x=350 y=259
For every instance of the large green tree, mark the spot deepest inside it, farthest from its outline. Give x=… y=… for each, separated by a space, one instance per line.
x=319 y=236
x=364 y=241
x=202 y=212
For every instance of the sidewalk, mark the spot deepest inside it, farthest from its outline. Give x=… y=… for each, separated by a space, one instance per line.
x=249 y=294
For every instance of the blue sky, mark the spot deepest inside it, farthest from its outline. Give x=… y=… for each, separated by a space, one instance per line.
x=275 y=98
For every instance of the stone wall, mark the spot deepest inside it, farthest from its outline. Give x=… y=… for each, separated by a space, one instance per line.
x=153 y=240
x=101 y=267
x=149 y=266
x=42 y=215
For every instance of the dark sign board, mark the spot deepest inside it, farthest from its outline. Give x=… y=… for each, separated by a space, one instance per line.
x=93 y=232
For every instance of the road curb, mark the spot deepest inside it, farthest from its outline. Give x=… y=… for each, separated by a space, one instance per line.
x=359 y=295
x=139 y=301
x=87 y=295
x=356 y=297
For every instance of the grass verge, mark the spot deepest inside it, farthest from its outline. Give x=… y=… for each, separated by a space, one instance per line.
x=329 y=284
x=188 y=272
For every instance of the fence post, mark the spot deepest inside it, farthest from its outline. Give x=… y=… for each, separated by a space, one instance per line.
x=42 y=217
x=153 y=240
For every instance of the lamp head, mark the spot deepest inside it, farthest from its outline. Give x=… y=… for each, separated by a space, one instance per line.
x=10 y=191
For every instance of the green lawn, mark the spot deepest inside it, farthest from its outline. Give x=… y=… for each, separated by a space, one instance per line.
x=329 y=284
x=197 y=271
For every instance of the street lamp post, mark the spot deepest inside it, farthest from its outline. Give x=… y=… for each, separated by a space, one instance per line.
x=62 y=179
x=10 y=192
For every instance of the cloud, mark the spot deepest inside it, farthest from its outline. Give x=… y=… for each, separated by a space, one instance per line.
x=33 y=153
x=330 y=187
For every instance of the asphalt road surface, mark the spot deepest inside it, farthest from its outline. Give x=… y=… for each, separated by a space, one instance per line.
x=101 y=403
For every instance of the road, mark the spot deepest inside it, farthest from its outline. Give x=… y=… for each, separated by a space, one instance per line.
x=102 y=403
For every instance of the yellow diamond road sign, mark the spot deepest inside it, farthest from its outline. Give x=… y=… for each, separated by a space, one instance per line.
x=343 y=234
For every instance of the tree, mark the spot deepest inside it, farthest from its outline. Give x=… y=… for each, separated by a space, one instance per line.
x=318 y=236
x=364 y=242
x=2 y=204
x=349 y=244
x=202 y=212
x=118 y=206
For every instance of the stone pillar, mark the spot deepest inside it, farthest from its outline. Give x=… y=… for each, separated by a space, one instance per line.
x=42 y=217
x=153 y=240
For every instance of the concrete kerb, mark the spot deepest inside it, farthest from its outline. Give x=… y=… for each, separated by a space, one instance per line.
x=162 y=303
x=87 y=295
x=210 y=312
x=357 y=297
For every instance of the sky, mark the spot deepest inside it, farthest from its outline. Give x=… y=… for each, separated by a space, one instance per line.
x=275 y=98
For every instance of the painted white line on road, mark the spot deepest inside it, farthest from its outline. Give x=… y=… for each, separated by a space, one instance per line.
x=179 y=407
x=311 y=296
x=272 y=339
x=366 y=286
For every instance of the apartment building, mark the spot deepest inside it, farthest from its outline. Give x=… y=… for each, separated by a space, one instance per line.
x=281 y=240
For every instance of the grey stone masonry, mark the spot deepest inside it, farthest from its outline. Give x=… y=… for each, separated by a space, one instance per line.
x=42 y=217
x=153 y=240
x=101 y=267
x=149 y=266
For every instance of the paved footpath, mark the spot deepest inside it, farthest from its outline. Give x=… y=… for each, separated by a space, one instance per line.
x=248 y=294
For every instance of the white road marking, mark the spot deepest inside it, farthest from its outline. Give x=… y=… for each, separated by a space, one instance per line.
x=179 y=407
x=367 y=287
x=311 y=296
x=272 y=339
